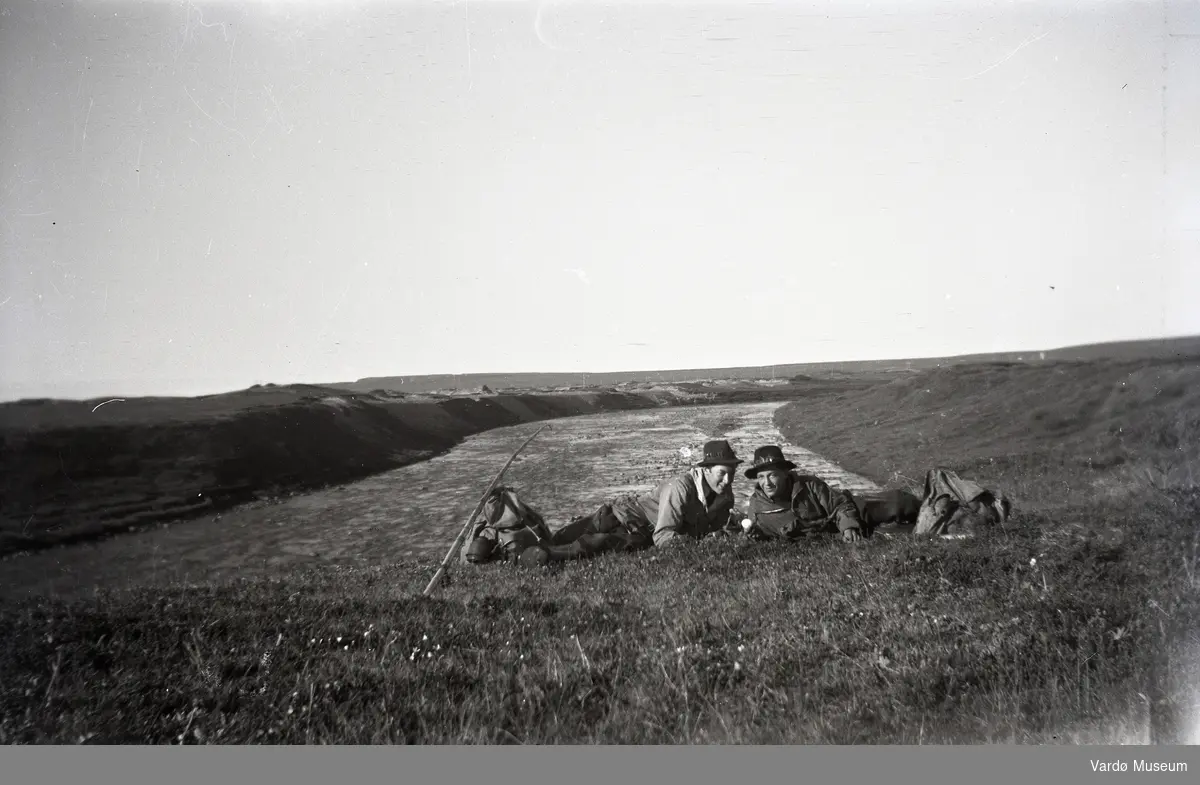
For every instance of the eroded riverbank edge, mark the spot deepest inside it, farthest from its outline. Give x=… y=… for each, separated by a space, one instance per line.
x=78 y=471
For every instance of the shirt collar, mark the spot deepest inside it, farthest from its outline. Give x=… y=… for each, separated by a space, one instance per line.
x=698 y=476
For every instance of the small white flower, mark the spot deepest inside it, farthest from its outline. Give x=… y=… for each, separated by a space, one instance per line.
x=1033 y=562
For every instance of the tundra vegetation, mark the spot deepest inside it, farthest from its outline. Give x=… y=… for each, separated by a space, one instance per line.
x=1076 y=622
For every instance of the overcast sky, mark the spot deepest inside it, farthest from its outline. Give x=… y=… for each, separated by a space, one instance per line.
x=198 y=197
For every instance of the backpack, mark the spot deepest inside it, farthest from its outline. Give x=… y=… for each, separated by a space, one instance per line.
x=506 y=526
x=952 y=503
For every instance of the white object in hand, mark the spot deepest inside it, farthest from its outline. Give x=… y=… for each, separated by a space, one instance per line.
x=746 y=524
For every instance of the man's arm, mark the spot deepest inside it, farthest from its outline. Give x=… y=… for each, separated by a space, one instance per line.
x=734 y=523
x=670 y=511
x=838 y=505
x=727 y=523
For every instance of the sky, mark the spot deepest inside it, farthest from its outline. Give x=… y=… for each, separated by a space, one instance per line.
x=198 y=197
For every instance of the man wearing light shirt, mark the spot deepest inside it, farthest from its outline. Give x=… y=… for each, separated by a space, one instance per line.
x=695 y=504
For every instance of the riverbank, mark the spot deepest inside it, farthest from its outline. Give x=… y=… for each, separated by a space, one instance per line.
x=75 y=471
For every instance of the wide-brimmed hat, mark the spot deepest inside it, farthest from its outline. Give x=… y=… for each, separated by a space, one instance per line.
x=719 y=453
x=768 y=457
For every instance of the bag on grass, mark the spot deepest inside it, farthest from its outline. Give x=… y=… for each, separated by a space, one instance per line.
x=506 y=526
x=952 y=505
x=509 y=529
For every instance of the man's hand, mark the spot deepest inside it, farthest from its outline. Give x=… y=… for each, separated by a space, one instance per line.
x=852 y=534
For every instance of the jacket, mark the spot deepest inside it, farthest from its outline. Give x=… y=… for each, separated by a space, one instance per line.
x=683 y=506
x=814 y=508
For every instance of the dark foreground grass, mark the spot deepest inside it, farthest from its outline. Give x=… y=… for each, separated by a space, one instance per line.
x=1022 y=635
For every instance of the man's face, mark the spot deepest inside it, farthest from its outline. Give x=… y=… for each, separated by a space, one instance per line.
x=719 y=478
x=774 y=483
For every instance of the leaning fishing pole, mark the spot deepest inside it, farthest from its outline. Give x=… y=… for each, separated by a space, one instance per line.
x=458 y=540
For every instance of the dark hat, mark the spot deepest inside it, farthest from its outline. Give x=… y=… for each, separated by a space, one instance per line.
x=719 y=453
x=768 y=458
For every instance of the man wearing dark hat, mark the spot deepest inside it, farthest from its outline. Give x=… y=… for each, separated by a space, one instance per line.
x=787 y=505
x=697 y=503
x=694 y=504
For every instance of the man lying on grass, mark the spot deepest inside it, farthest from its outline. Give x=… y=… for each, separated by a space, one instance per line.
x=695 y=504
x=787 y=505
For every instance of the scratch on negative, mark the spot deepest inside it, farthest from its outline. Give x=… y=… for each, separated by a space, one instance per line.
x=239 y=134
x=1025 y=43
x=110 y=400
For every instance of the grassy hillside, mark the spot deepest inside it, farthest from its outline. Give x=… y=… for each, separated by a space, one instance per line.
x=1064 y=434
x=1021 y=637
x=1076 y=623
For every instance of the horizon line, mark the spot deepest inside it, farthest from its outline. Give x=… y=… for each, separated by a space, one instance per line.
x=910 y=358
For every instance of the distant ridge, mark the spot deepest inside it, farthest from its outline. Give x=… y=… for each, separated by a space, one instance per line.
x=1155 y=348
x=1173 y=348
